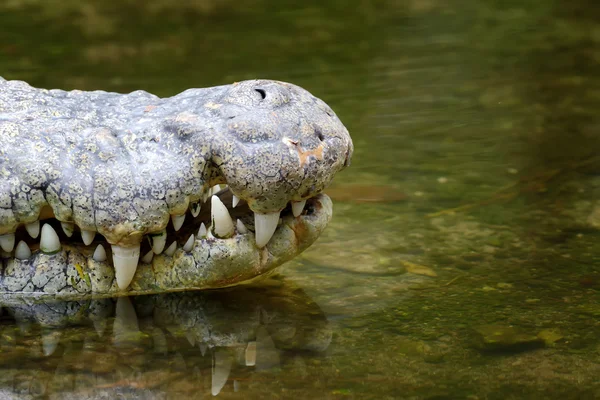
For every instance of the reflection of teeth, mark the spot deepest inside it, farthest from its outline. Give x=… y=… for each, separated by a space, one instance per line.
x=49 y=242
x=195 y=209
x=234 y=201
x=125 y=260
x=68 y=228
x=250 y=354
x=7 y=242
x=50 y=342
x=222 y=222
x=264 y=227
x=220 y=371
x=298 y=207
x=159 y=240
x=189 y=245
x=147 y=259
x=241 y=228
x=177 y=221
x=99 y=254
x=202 y=231
x=125 y=326
x=33 y=229
x=171 y=249
x=22 y=252
x=88 y=237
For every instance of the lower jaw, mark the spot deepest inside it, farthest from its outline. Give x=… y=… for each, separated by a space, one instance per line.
x=72 y=273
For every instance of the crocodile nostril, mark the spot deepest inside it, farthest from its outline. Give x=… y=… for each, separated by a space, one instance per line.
x=262 y=92
x=319 y=135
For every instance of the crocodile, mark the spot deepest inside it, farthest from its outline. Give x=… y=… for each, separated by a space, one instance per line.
x=109 y=194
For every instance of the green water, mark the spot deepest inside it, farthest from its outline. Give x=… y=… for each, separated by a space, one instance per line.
x=463 y=261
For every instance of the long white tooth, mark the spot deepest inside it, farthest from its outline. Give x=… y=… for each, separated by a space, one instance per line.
x=88 y=237
x=49 y=242
x=68 y=228
x=196 y=209
x=33 y=228
x=202 y=231
x=264 y=227
x=241 y=228
x=147 y=259
x=125 y=260
x=222 y=222
x=99 y=254
x=22 y=251
x=215 y=189
x=189 y=245
x=177 y=221
x=234 y=201
x=171 y=249
x=298 y=207
x=7 y=242
x=159 y=240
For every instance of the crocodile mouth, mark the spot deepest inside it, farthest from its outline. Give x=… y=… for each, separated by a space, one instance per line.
x=214 y=246
x=96 y=186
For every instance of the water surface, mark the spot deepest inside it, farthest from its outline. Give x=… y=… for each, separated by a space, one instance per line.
x=463 y=261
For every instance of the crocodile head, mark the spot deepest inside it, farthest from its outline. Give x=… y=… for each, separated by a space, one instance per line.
x=208 y=188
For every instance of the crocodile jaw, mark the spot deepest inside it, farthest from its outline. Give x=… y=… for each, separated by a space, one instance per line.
x=72 y=273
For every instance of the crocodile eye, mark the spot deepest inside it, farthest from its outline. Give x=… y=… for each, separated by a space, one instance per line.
x=262 y=93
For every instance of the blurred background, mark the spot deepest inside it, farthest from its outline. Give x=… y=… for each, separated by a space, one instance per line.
x=463 y=260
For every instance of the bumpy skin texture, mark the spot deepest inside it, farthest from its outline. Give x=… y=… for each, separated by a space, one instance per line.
x=72 y=273
x=120 y=164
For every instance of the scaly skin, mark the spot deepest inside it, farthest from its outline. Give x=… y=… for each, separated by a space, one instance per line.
x=121 y=164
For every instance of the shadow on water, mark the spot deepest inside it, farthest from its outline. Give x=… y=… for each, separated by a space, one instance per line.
x=180 y=344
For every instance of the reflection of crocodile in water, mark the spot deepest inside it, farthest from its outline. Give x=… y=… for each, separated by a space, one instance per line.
x=151 y=346
x=80 y=171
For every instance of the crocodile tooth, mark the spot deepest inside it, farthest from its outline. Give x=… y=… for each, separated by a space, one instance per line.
x=177 y=221
x=88 y=237
x=159 y=240
x=234 y=201
x=189 y=245
x=298 y=207
x=49 y=242
x=68 y=228
x=222 y=222
x=171 y=249
x=202 y=230
x=264 y=227
x=33 y=228
x=195 y=209
x=215 y=189
x=147 y=259
x=241 y=228
x=22 y=252
x=7 y=242
x=125 y=260
x=99 y=254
